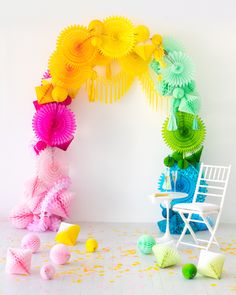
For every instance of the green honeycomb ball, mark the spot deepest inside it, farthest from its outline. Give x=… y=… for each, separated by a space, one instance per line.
x=189 y=271
x=145 y=244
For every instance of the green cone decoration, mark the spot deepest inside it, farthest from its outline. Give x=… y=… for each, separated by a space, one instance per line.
x=183 y=164
x=194 y=157
x=177 y=156
x=179 y=69
x=190 y=104
x=166 y=255
x=184 y=139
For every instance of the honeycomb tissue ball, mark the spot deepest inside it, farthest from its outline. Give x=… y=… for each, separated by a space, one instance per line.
x=31 y=242
x=60 y=254
x=189 y=271
x=145 y=244
x=47 y=271
x=91 y=245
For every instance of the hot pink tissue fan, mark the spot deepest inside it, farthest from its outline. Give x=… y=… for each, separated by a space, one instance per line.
x=54 y=124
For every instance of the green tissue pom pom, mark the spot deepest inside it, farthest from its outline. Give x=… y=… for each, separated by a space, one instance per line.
x=178 y=92
x=155 y=66
x=177 y=156
x=164 y=88
x=169 y=161
x=190 y=87
x=189 y=271
x=183 y=164
x=145 y=244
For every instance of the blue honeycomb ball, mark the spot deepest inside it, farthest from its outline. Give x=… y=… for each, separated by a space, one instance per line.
x=145 y=244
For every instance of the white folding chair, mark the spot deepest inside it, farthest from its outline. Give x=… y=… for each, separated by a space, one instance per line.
x=215 y=180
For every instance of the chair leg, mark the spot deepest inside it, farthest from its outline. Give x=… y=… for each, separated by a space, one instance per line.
x=187 y=226
x=212 y=232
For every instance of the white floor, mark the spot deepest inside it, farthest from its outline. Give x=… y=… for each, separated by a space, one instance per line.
x=116 y=268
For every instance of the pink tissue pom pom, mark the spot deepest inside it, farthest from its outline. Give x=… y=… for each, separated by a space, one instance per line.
x=60 y=204
x=60 y=254
x=31 y=242
x=47 y=271
x=21 y=216
x=18 y=261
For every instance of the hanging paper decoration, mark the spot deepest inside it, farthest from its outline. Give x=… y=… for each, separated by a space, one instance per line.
x=184 y=139
x=54 y=124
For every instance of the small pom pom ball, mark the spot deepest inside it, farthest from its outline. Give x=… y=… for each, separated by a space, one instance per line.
x=189 y=271
x=60 y=254
x=47 y=271
x=31 y=242
x=145 y=244
x=91 y=245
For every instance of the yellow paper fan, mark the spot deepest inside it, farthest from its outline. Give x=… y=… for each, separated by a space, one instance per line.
x=118 y=37
x=66 y=75
x=74 y=44
x=133 y=64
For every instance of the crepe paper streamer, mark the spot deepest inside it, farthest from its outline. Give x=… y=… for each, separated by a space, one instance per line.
x=184 y=139
x=47 y=271
x=21 y=216
x=134 y=64
x=74 y=44
x=109 y=90
x=52 y=166
x=60 y=254
x=67 y=234
x=66 y=75
x=18 y=261
x=118 y=37
x=145 y=244
x=210 y=264
x=31 y=242
x=91 y=245
x=189 y=271
x=166 y=255
x=142 y=33
x=179 y=69
x=54 y=124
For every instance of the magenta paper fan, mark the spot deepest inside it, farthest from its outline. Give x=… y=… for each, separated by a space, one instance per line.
x=54 y=124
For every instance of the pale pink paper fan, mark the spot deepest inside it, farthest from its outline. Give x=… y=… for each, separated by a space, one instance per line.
x=54 y=124
x=21 y=216
x=52 y=165
x=60 y=204
x=18 y=261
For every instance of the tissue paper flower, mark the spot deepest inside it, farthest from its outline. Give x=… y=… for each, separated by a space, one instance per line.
x=67 y=234
x=18 y=261
x=179 y=69
x=166 y=255
x=184 y=139
x=211 y=264
x=54 y=124
x=117 y=38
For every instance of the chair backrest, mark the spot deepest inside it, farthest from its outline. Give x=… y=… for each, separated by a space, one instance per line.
x=212 y=182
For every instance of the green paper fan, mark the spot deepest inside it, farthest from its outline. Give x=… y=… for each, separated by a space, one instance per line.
x=166 y=255
x=184 y=139
x=211 y=264
x=179 y=69
x=190 y=104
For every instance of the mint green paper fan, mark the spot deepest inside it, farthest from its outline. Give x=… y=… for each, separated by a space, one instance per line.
x=166 y=255
x=211 y=264
x=179 y=69
x=190 y=104
x=184 y=139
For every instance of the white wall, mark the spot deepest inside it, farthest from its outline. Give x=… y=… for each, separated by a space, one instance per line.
x=117 y=157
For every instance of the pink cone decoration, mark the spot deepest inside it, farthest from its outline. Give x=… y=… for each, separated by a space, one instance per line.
x=18 y=261
x=31 y=242
x=54 y=124
x=21 y=216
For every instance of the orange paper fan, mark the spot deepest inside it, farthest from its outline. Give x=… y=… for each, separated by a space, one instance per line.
x=67 y=75
x=118 y=37
x=74 y=44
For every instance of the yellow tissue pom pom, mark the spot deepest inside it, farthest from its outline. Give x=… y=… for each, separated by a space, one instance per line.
x=142 y=33
x=91 y=245
x=157 y=39
x=96 y=27
x=59 y=94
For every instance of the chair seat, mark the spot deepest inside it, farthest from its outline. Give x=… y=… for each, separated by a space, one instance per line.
x=196 y=207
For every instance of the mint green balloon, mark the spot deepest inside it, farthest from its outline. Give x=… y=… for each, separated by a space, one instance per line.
x=145 y=244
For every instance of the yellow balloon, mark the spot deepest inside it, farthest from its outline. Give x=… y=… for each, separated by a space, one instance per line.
x=91 y=245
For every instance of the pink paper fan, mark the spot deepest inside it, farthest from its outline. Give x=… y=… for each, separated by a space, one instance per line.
x=21 y=216
x=18 y=261
x=60 y=204
x=54 y=124
x=52 y=166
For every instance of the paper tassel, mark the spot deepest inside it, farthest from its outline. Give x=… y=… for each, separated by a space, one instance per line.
x=195 y=124
x=172 y=124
